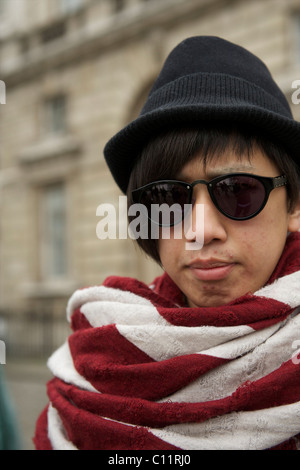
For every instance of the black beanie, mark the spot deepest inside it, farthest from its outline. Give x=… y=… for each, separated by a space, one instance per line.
x=206 y=79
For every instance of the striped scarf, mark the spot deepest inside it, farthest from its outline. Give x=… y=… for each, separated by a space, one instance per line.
x=143 y=371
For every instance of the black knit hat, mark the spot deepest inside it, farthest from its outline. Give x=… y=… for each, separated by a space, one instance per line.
x=206 y=79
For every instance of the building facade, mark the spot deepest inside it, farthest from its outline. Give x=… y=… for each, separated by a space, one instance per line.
x=75 y=72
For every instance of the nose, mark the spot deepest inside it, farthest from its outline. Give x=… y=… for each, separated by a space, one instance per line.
x=205 y=223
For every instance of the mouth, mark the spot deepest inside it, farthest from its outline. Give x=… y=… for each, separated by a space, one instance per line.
x=211 y=270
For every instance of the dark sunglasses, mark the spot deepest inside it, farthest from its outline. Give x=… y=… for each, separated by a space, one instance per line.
x=239 y=196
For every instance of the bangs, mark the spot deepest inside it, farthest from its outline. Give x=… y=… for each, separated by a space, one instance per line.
x=166 y=154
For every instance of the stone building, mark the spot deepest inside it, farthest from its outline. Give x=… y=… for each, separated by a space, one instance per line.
x=75 y=72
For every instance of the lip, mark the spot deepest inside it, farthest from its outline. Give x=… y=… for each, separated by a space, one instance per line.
x=211 y=270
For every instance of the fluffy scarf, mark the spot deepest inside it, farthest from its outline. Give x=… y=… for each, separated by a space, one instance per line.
x=142 y=371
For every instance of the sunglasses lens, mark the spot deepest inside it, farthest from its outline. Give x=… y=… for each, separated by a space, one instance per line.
x=239 y=196
x=165 y=202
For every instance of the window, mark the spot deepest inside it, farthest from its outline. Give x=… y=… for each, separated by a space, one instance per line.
x=53 y=232
x=55 y=115
x=2 y=92
x=53 y=32
x=119 y=5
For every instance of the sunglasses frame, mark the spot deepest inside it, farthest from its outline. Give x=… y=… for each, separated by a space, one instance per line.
x=269 y=183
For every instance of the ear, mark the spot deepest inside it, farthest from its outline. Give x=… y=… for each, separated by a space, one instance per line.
x=294 y=218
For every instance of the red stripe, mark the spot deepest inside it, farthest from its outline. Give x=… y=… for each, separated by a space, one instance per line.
x=91 y=432
x=250 y=310
x=280 y=387
x=264 y=393
x=41 y=439
x=79 y=321
x=114 y=365
x=256 y=312
x=82 y=412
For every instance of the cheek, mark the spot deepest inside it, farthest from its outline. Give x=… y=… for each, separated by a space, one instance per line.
x=171 y=251
x=262 y=247
x=253 y=243
x=167 y=247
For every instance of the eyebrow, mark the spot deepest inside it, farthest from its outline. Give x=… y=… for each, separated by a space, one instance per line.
x=213 y=173
x=231 y=169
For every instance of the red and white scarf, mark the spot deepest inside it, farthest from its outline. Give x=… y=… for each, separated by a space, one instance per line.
x=143 y=371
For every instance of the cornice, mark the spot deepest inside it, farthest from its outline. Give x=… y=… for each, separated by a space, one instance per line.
x=99 y=37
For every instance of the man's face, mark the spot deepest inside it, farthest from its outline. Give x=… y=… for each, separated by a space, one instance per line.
x=237 y=257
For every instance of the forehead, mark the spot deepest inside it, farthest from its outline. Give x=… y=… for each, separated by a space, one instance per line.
x=228 y=162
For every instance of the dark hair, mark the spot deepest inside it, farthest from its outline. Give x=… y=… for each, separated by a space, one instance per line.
x=165 y=155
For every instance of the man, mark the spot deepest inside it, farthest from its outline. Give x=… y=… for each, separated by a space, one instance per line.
x=204 y=358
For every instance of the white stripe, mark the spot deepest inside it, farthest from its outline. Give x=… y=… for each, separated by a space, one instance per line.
x=56 y=432
x=252 y=430
x=102 y=293
x=164 y=342
x=261 y=361
x=285 y=289
x=240 y=346
x=62 y=366
x=100 y=313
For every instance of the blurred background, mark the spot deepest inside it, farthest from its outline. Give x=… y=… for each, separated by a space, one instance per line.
x=75 y=72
